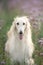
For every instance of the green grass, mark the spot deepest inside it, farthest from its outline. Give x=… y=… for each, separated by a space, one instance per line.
x=8 y=17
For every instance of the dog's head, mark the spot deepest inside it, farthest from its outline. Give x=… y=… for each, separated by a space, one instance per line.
x=20 y=26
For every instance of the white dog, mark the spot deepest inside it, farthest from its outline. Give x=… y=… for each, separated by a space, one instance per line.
x=19 y=45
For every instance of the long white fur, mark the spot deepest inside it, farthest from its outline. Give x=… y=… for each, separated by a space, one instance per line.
x=20 y=50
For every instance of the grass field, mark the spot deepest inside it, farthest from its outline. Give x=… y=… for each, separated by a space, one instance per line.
x=8 y=18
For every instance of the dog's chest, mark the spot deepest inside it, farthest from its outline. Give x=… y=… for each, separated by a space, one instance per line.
x=18 y=52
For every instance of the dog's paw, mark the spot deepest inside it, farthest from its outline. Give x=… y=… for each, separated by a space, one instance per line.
x=31 y=61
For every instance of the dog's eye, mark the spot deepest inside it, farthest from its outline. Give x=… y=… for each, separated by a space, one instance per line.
x=23 y=23
x=17 y=23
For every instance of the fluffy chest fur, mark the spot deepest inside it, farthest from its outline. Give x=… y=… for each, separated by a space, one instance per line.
x=17 y=50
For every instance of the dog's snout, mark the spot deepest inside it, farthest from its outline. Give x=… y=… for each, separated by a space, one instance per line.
x=20 y=32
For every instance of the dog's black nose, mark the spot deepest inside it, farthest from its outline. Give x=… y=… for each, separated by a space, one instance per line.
x=20 y=32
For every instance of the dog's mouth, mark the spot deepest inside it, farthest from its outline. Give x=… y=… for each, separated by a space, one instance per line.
x=21 y=36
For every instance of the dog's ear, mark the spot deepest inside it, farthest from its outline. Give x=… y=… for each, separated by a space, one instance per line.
x=28 y=28
x=28 y=24
x=11 y=31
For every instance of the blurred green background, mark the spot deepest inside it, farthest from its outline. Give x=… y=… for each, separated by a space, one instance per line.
x=9 y=9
